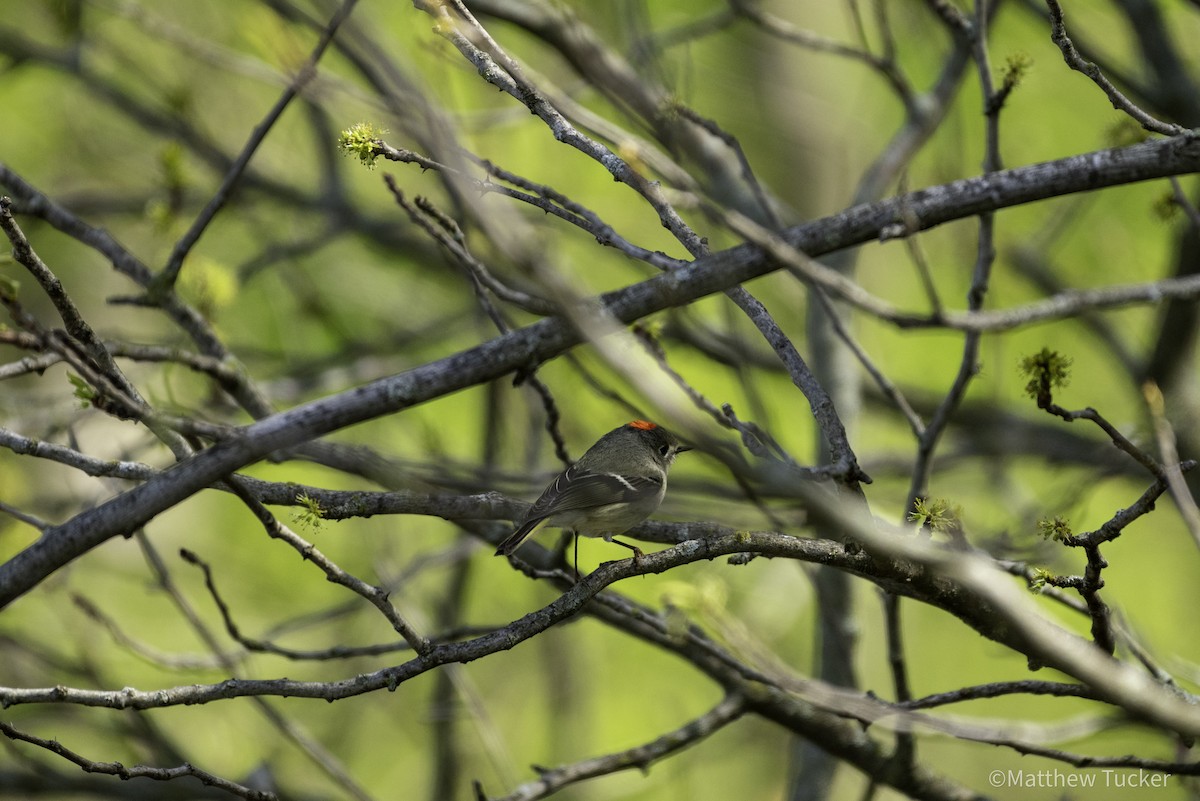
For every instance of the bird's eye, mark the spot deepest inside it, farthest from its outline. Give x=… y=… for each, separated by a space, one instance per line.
x=664 y=450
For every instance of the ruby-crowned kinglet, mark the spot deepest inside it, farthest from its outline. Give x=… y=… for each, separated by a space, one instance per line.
x=617 y=484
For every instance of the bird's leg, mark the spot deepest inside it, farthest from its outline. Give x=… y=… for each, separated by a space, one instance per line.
x=576 y=558
x=637 y=552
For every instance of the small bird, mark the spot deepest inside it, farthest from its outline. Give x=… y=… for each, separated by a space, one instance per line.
x=615 y=485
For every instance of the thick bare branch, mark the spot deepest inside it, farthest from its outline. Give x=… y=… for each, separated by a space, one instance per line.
x=548 y=338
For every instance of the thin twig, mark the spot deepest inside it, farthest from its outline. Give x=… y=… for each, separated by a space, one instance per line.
x=291 y=730
x=170 y=271
x=138 y=771
x=24 y=517
x=1180 y=491
x=76 y=326
x=1058 y=34
x=376 y=596
x=641 y=757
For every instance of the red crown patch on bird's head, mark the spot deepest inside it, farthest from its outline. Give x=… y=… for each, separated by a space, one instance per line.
x=642 y=425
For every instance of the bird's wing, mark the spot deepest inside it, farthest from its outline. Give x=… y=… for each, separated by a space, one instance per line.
x=580 y=489
x=575 y=490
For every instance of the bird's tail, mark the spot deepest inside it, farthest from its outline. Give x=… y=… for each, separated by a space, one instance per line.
x=515 y=539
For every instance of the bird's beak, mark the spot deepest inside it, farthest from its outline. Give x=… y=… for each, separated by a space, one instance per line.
x=682 y=448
